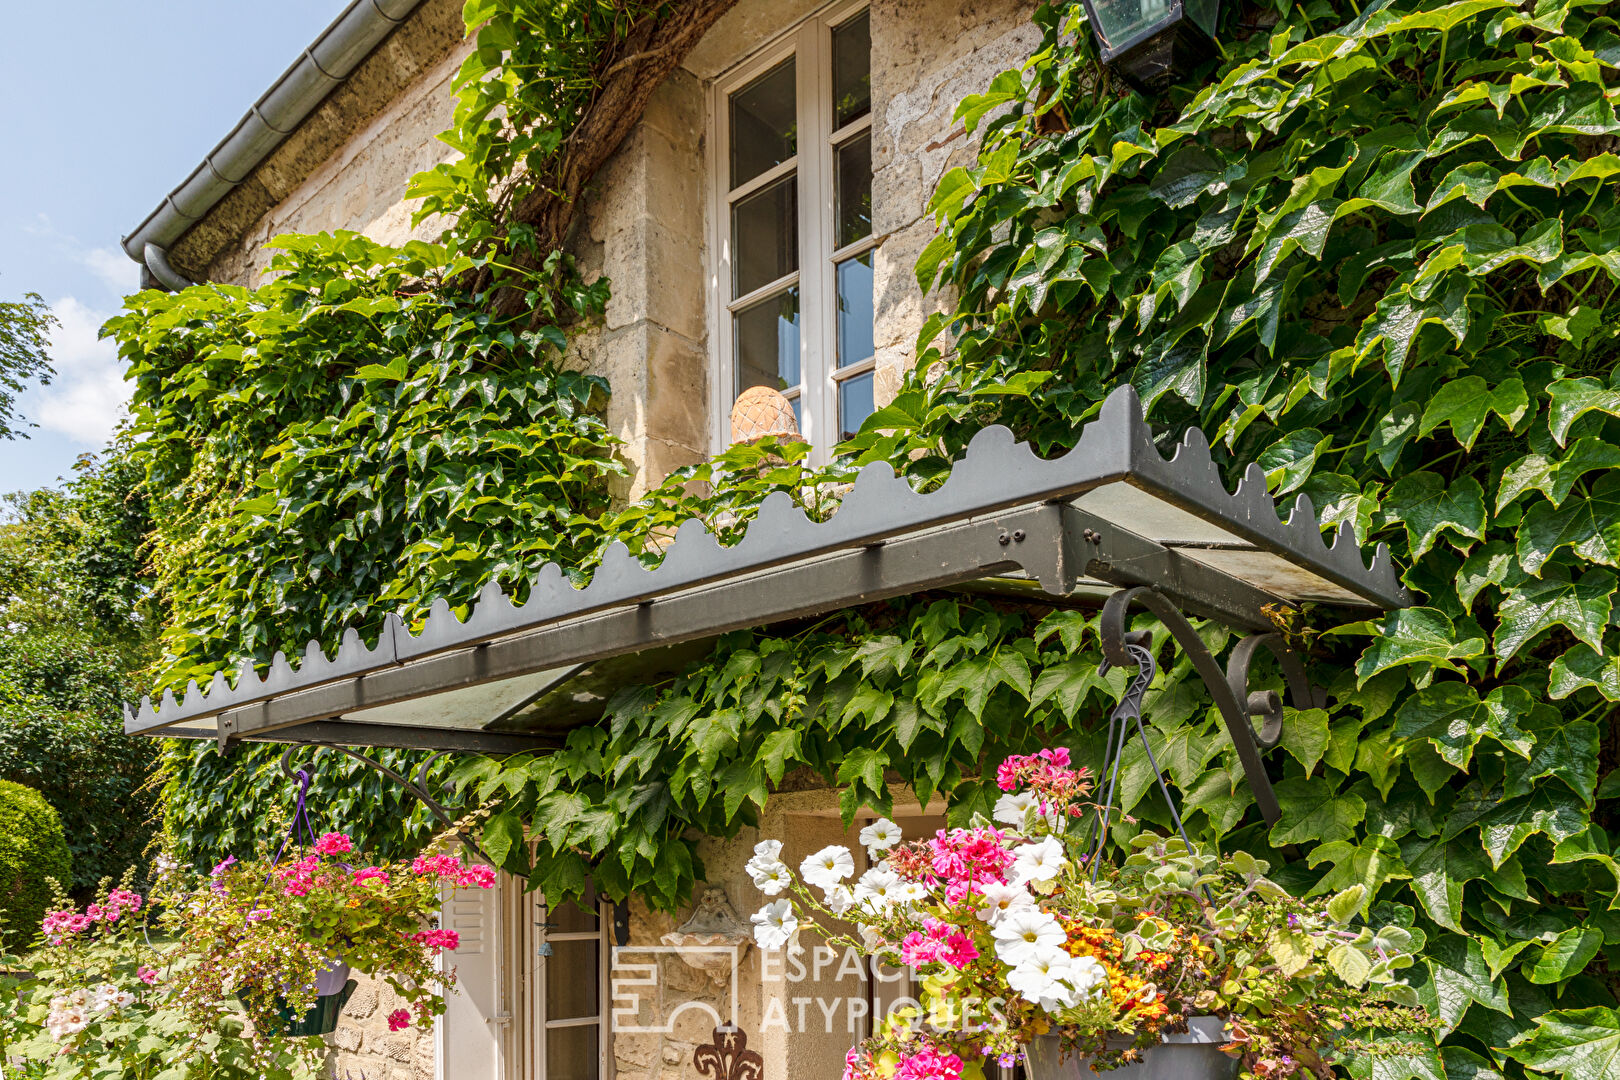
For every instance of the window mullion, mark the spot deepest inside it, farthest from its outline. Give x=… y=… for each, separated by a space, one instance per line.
x=815 y=240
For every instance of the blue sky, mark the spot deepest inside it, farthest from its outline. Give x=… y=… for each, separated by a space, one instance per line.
x=108 y=105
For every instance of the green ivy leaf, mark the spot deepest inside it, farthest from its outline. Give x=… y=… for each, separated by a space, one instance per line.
x=1427 y=505
x=1417 y=1059
x=1440 y=867
x=1459 y=977
x=1305 y=735
x=1580 y=1044
x=1582 y=666
x=1537 y=606
x=1566 y=955
x=1417 y=635
x=1454 y=718
x=1372 y=862
x=1314 y=810
x=1555 y=479
x=1465 y=403
x=1589 y=526
x=1567 y=751
x=1550 y=810
x=1574 y=398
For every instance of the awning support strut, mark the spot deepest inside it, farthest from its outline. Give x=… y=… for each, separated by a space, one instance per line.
x=1229 y=688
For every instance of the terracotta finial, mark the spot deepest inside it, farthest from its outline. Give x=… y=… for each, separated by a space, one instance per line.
x=762 y=413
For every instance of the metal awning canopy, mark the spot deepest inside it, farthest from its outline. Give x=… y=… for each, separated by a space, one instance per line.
x=1111 y=513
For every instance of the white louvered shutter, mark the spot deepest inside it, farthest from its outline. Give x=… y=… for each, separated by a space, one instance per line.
x=470 y=1033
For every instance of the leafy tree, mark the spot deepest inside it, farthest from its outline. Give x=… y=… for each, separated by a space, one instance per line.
x=25 y=328
x=76 y=618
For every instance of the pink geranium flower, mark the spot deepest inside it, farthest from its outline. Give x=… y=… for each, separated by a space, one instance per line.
x=334 y=843
x=399 y=1020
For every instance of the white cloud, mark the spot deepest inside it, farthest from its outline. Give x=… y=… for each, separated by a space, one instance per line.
x=88 y=396
x=116 y=270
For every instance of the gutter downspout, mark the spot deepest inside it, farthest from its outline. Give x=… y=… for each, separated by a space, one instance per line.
x=156 y=273
x=322 y=68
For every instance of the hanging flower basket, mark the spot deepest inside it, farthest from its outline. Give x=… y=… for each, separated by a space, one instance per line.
x=1194 y=1054
x=1040 y=935
x=333 y=988
x=320 y=1018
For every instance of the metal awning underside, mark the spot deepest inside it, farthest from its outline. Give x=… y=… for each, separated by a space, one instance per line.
x=1112 y=512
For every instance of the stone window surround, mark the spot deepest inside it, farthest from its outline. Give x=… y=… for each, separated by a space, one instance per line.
x=809 y=41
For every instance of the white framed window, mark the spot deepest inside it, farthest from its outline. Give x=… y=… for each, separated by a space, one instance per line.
x=791 y=161
x=567 y=1035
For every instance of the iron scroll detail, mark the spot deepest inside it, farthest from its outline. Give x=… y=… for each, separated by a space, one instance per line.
x=1230 y=688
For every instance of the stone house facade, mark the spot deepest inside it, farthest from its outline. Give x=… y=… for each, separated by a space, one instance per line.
x=758 y=215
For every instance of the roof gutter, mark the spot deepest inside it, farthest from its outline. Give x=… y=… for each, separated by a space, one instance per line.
x=322 y=68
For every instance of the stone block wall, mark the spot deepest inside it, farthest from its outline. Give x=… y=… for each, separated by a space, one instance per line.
x=362 y=1047
x=927 y=55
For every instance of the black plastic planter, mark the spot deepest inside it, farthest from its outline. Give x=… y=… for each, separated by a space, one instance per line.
x=1194 y=1054
x=320 y=1018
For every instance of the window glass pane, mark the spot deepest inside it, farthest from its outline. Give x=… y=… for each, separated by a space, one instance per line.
x=764 y=128
x=855 y=309
x=765 y=236
x=766 y=341
x=853 y=171
x=571 y=1053
x=852 y=70
x=572 y=980
x=854 y=403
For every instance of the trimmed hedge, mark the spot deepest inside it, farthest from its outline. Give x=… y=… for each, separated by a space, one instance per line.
x=32 y=849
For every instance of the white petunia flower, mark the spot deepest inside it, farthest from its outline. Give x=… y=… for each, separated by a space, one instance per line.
x=910 y=892
x=768 y=850
x=775 y=924
x=770 y=877
x=1041 y=861
x=1019 y=933
x=1001 y=900
x=1089 y=977
x=1041 y=976
x=1011 y=809
x=828 y=866
x=877 y=889
x=881 y=835
x=840 y=897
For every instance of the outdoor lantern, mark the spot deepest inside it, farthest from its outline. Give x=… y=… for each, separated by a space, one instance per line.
x=1152 y=42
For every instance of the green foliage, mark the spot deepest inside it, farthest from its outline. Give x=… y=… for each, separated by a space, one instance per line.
x=32 y=849
x=25 y=327
x=534 y=72
x=352 y=439
x=1372 y=251
x=214 y=807
x=924 y=690
x=348 y=440
x=75 y=618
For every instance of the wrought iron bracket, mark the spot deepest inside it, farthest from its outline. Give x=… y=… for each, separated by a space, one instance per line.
x=1239 y=706
x=417 y=788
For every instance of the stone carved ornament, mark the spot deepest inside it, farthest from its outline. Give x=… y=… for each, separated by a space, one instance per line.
x=715 y=927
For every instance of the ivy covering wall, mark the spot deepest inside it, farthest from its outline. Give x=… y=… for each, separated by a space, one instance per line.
x=1373 y=250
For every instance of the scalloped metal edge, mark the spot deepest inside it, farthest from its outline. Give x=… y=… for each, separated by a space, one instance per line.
x=995 y=473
